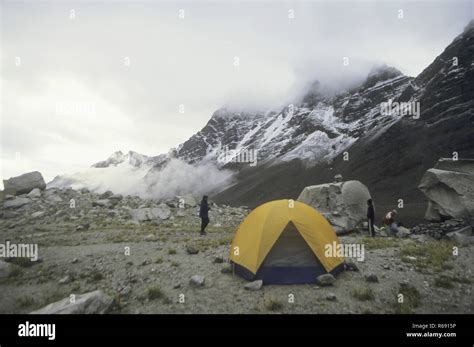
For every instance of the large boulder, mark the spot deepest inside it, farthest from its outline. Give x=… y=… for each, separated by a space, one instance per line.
x=90 y=303
x=161 y=212
x=344 y=204
x=24 y=184
x=449 y=187
x=186 y=201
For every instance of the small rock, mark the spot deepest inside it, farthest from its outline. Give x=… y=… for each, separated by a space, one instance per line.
x=65 y=280
x=38 y=214
x=5 y=269
x=101 y=203
x=386 y=267
x=191 y=249
x=149 y=237
x=176 y=285
x=338 y=178
x=197 y=281
x=218 y=260
x=255 y=285
x=74 y=261
x=403 y=232
x=82 y=227
x=227 y=269
x=35 y=193
x=125 y=291
x=372 y=278
x=326 y=280
x=351 y=266
x=106 y=195
x=116 y=197
x=331 y=297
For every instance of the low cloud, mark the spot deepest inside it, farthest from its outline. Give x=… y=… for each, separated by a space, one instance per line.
x=176 y=177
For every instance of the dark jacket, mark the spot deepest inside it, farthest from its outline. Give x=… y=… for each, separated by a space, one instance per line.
x=371 y=212
x=204 y=209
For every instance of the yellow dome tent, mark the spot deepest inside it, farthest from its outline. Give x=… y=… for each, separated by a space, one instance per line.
x=285 y=242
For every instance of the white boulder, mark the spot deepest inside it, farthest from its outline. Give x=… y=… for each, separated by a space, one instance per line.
x=343 y=204
x=449 y=187
x=146 y=214
x=90 y=303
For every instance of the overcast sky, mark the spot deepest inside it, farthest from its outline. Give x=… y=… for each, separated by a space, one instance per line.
x=81 y=80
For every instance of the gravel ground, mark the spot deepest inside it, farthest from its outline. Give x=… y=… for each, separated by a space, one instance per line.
x=154 y=277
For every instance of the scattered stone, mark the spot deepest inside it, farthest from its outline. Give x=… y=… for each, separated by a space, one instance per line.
x=403 y=232
x=5 y=269
x=38 y=214
x=83 y=227
x=191 y=249
x=176 y=285
x=338 y=178
x=65 y=280
x=149 y=237
x=125 y=291
x=17 y=202
x=34 y=194
x=218 y=260
x=255 y=285
x=106 y=194
x=90 y=303
x=386 y=267
x=351 y=266
x=101 y=203
x=116 y=197
x=74 y=261
x=325 y=280
x=331 y=297
x=180 y=213
x=371 y=278
x=462 y=237
x=197 y=281
x=227 y=269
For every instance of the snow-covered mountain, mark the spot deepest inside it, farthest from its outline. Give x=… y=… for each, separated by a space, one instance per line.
x=316 y=130
x=304 y=142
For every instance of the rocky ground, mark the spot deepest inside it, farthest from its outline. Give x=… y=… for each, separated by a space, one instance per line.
x=147 y=257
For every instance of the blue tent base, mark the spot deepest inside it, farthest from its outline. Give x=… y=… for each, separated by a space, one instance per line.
x=285 y=274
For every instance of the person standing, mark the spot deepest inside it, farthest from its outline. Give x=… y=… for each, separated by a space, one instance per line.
x=370 y=217
x=204 y=214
